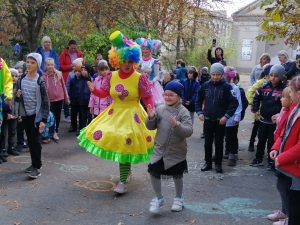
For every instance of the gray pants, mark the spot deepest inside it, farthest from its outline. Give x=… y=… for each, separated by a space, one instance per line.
x=283 y=187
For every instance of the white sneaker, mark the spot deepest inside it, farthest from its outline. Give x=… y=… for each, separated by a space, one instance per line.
x=55 y=137
x=67 y=119
x=276 y=215
x=177 y=205
x=121 y=188
x=282 y=222
x=156 y=204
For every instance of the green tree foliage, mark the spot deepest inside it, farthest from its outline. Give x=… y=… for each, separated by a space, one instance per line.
x=282 y=19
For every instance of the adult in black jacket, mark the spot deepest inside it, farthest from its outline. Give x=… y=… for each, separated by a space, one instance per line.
x=215 y=104
x=218 y=56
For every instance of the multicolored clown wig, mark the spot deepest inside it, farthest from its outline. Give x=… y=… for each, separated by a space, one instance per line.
x=154 y=45
x=123 y=50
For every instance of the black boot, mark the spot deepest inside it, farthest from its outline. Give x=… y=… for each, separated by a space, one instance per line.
x=13 y=152
x=251 y=147
x=19 y=148
x=4 y=153
x=232 y=159
x=218 y=168
x=206 y=167
x=2 y=158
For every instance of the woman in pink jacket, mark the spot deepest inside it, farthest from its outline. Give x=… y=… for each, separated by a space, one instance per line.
x=56 y=90
x=96 y=104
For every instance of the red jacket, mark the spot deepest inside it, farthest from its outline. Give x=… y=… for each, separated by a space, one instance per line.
x=65 y=62
x=281 y=120
x=289 y=158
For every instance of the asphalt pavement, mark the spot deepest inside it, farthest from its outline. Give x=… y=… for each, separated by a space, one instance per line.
x=76 y=189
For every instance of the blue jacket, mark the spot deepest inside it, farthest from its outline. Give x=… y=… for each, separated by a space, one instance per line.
x=181 y=74
x=237 y=114
x=53 y=55
x=79 y=92
x=267 y=101
x=190 y=91
x=218 y=100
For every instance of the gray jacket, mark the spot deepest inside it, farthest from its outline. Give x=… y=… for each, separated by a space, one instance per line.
x=42 y=108
x=170 y=143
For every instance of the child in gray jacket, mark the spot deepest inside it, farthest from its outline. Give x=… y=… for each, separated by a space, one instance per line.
x=174 y=124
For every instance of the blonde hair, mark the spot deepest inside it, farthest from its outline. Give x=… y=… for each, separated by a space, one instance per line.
x=50 y=60
x=265 y=55
x=13 y=70
x=286 y=92
x=44 y=39
x=295 y=83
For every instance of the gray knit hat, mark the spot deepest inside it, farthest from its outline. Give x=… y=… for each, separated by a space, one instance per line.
x=37 y=57
x=278 y=70
x=283 y=52
x=217 y=68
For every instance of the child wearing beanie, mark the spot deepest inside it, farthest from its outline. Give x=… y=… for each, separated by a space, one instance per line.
x=263 y=79
x=173 y=123
x=79 y=98
x=267 y=102
x=232 y=124
x=34 y=110
x=215 y=104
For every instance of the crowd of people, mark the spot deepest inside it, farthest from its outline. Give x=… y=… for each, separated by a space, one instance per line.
x=150 y=111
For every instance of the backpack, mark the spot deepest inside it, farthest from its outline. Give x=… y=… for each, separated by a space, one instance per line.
x=245 y=102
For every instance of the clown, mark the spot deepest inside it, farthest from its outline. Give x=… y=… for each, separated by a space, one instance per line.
x=150 y=67
x=150 y=47
x=6 y=86
x=119 y=133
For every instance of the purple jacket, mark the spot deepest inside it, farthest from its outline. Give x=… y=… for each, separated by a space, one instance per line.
x=99 y=104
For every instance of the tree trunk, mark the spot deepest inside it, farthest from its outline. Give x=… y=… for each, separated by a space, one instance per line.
x=179 y=29
x=30 y=19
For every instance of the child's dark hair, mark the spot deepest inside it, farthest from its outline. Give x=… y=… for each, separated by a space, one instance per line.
x=72 y=42
x=222 y=52
x=181 y=62
x=193 y=70
x=236 y=78
x=98 y=54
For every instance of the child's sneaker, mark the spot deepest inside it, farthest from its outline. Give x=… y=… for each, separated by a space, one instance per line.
x=177 y=205
x=29 y=169
x=46 y=141
x=256 y=163
x=35 y=173
x=121 y=188
x=55 y=137
x=276 y=215
x=156 y=204
x=282 y=222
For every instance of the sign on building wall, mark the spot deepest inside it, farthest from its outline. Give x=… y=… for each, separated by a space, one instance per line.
x=247 y=46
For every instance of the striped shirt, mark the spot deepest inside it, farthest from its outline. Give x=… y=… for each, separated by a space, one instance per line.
x=29 y=87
